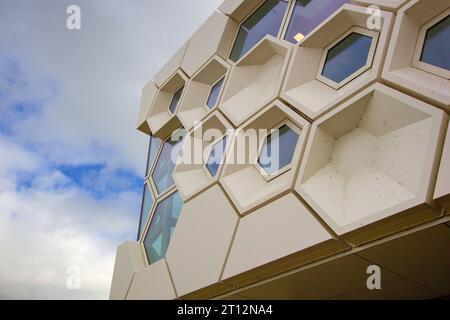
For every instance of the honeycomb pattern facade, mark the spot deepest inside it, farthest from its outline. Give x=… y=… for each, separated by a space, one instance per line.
x=371 y=159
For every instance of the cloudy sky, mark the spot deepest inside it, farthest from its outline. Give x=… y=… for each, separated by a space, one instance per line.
x=71 y=161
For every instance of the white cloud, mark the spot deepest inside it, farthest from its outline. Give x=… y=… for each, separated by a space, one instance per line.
x=82 y=91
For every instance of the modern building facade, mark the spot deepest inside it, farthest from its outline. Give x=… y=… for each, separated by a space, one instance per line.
x=355 y=98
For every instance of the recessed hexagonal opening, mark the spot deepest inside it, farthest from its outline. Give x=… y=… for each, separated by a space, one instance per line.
x=403 y=67
x=277 y=150
x=247 y=184
x=162 y=118
x=437 y=45
x=433 y=45
x=370 y=158
x=265 y=20
x=203 y=155
x=161 y=175
x=203 y=92
x=335 y=61
x=348 y=57
x=161 y=227
x=255 y=79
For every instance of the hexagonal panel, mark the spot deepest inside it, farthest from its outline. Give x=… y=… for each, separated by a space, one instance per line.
x=162 y=172
x=161 y=227
x=162 y=118
x=242 y=179
x=152 y=283
x=307 y=15
x=403 y=68
x=147 y=97
x=191 y=174
x=200 y=243
x=265 y=20
x=128 y=261
x=328 y=54
x=277 y=237
x=255 y=79
x=169 y=69
x=358 y=168
x=214 y=37
x=203 y=92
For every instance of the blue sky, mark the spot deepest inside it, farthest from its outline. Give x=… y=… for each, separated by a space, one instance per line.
x=71 y=161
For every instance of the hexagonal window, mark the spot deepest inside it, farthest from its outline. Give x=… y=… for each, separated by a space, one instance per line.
x=146 y=208
x=265 y=20
x=162 y=172
x=175 y=100
x=433 y=46
x=348 y=57
x=277 y=150
x=153 y=147
x=161 y=227
x=308 y=14
x=436 y=47
x=216 y=154
x=214 y=93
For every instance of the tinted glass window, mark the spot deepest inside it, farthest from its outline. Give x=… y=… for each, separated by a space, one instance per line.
x=162 y=173
x=153 y=147
x=436 y=48
x=347 y=57
x=214 y=94
x=146 y=208
x=162 y=226
x=176 y=100
x=278 y=149
x=265 y=20
x=308 y=14
x=216 y=156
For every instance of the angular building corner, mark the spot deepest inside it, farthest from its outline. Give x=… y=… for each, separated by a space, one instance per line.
x=355 y=95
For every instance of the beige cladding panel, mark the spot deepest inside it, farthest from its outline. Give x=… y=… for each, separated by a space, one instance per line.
x=171 y=66
x=147 y=97
x=215 y=36
x=282 y=228
x=201 y=240
x=129 y=259
x=152 y=283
